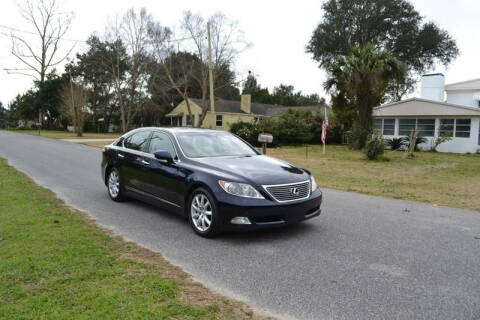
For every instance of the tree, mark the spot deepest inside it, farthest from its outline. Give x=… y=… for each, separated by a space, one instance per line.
x=253 y=88
x=50 y=24
x=74 y=105
x=3 y=116
x=94 y=73
x=283 y=94
x=227 y=42
x=363 y=78
x=392 y=25
x=26 y=106
x=128 y=43
x=47 y=98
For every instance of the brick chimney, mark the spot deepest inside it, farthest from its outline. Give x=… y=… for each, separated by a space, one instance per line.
x=246 y=103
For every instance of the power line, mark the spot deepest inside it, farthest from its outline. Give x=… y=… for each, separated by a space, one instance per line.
x=36 y=34
x=67 y=39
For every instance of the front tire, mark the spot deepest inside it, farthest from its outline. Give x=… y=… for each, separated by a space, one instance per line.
x=114 y=185
x=203 y=213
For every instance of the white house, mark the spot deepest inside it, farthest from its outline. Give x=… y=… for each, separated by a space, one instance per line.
x=457 y=116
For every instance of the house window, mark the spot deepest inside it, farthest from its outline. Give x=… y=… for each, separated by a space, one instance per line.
x=405 y=126
x=426 y=127
x=377 y=125
x=447 y=127
x=384 y=126
x=388 y=127
x=190 y=119
x=462 y=128
x=219 y=120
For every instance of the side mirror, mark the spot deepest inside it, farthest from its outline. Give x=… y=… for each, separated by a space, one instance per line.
x=164 y=155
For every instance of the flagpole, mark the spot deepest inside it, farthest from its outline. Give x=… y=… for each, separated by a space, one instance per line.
x=324 y=121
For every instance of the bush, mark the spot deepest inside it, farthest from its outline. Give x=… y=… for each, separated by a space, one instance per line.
x=293 y=127
x=374 y=147
x=397 y=143
x=419 y=140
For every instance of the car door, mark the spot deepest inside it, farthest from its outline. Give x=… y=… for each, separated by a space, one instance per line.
x=166 y=181
x=133 y=154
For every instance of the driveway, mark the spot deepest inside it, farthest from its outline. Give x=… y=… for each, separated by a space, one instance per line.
x=365 y=257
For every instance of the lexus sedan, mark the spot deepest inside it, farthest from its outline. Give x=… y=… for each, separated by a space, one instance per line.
x=213 y=178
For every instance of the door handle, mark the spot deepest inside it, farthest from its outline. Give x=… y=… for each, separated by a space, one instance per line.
x=145 y=162
x=121 y=155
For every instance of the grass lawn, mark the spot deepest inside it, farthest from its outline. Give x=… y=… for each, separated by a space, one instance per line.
x=56 y=264
x=69 y=135
x=437 y=178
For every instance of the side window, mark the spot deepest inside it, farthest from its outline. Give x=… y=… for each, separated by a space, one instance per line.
x=161 y=142
x=137 y=141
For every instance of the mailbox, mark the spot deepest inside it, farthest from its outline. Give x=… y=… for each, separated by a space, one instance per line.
x=265 y=138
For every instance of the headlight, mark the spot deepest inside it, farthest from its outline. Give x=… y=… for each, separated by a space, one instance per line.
x=240 y=189
x=313 y=183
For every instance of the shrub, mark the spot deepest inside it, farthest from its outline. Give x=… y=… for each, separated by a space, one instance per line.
x=419 y=140
x=293 y=127
x=374 y=147
x=397 y=143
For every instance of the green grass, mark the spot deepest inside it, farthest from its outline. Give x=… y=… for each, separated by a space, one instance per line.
x=54 y=134
x=438 y=178
x=55 y=264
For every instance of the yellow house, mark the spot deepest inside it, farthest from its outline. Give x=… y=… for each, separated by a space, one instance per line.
x=228 y=112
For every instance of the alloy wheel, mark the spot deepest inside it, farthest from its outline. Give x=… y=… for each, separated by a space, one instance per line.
x=114 y=183
x=201 y=212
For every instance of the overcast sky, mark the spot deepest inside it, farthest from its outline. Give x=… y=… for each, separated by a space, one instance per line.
x=278 y=31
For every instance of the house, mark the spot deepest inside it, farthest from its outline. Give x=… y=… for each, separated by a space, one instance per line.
x=457 y=116
x=228 y=112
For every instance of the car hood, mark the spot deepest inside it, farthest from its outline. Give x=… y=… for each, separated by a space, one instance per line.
x=259 y=169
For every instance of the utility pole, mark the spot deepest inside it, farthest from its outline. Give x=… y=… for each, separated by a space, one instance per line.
x=75 y=126
x=210 y=76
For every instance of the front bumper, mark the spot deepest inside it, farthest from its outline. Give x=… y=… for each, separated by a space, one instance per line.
x=269 y=213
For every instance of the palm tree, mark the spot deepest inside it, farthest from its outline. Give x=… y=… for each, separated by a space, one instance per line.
x=359 y=82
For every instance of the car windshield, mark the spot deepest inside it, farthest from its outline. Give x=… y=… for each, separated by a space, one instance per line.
x=213 y=144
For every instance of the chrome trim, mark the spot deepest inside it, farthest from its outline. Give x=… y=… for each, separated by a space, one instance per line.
x=288 y=184
x=146 y=154
x=151 y=195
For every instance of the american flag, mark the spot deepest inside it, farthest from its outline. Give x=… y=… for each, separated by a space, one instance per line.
x=324 y=127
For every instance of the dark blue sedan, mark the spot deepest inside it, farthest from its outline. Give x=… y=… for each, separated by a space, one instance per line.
x=213 y=178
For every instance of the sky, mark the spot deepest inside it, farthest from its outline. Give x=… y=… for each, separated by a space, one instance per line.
x=277 y=30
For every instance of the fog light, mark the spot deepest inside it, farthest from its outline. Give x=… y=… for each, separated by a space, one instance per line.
x=240 y=220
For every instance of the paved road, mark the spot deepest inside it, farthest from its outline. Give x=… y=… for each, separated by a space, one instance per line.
x=364 y=258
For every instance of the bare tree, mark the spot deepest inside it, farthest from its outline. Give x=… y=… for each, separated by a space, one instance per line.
x=227 y=43
x=176 y=68
x=74 y=105
x=50 y=25
x=129 y=38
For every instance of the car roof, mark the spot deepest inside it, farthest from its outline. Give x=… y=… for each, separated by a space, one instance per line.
x=177 y=129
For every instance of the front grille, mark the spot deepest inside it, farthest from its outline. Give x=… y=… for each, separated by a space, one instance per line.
x=289 y=192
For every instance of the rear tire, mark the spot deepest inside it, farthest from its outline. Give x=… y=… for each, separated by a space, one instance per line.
x=202 y=213
x=115 y=185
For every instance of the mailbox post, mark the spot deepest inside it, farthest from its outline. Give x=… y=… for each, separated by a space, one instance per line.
x=265 y=138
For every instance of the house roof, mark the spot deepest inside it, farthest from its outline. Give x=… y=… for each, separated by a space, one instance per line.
x=473 y=84
x=260 y=109
x=422 y=107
